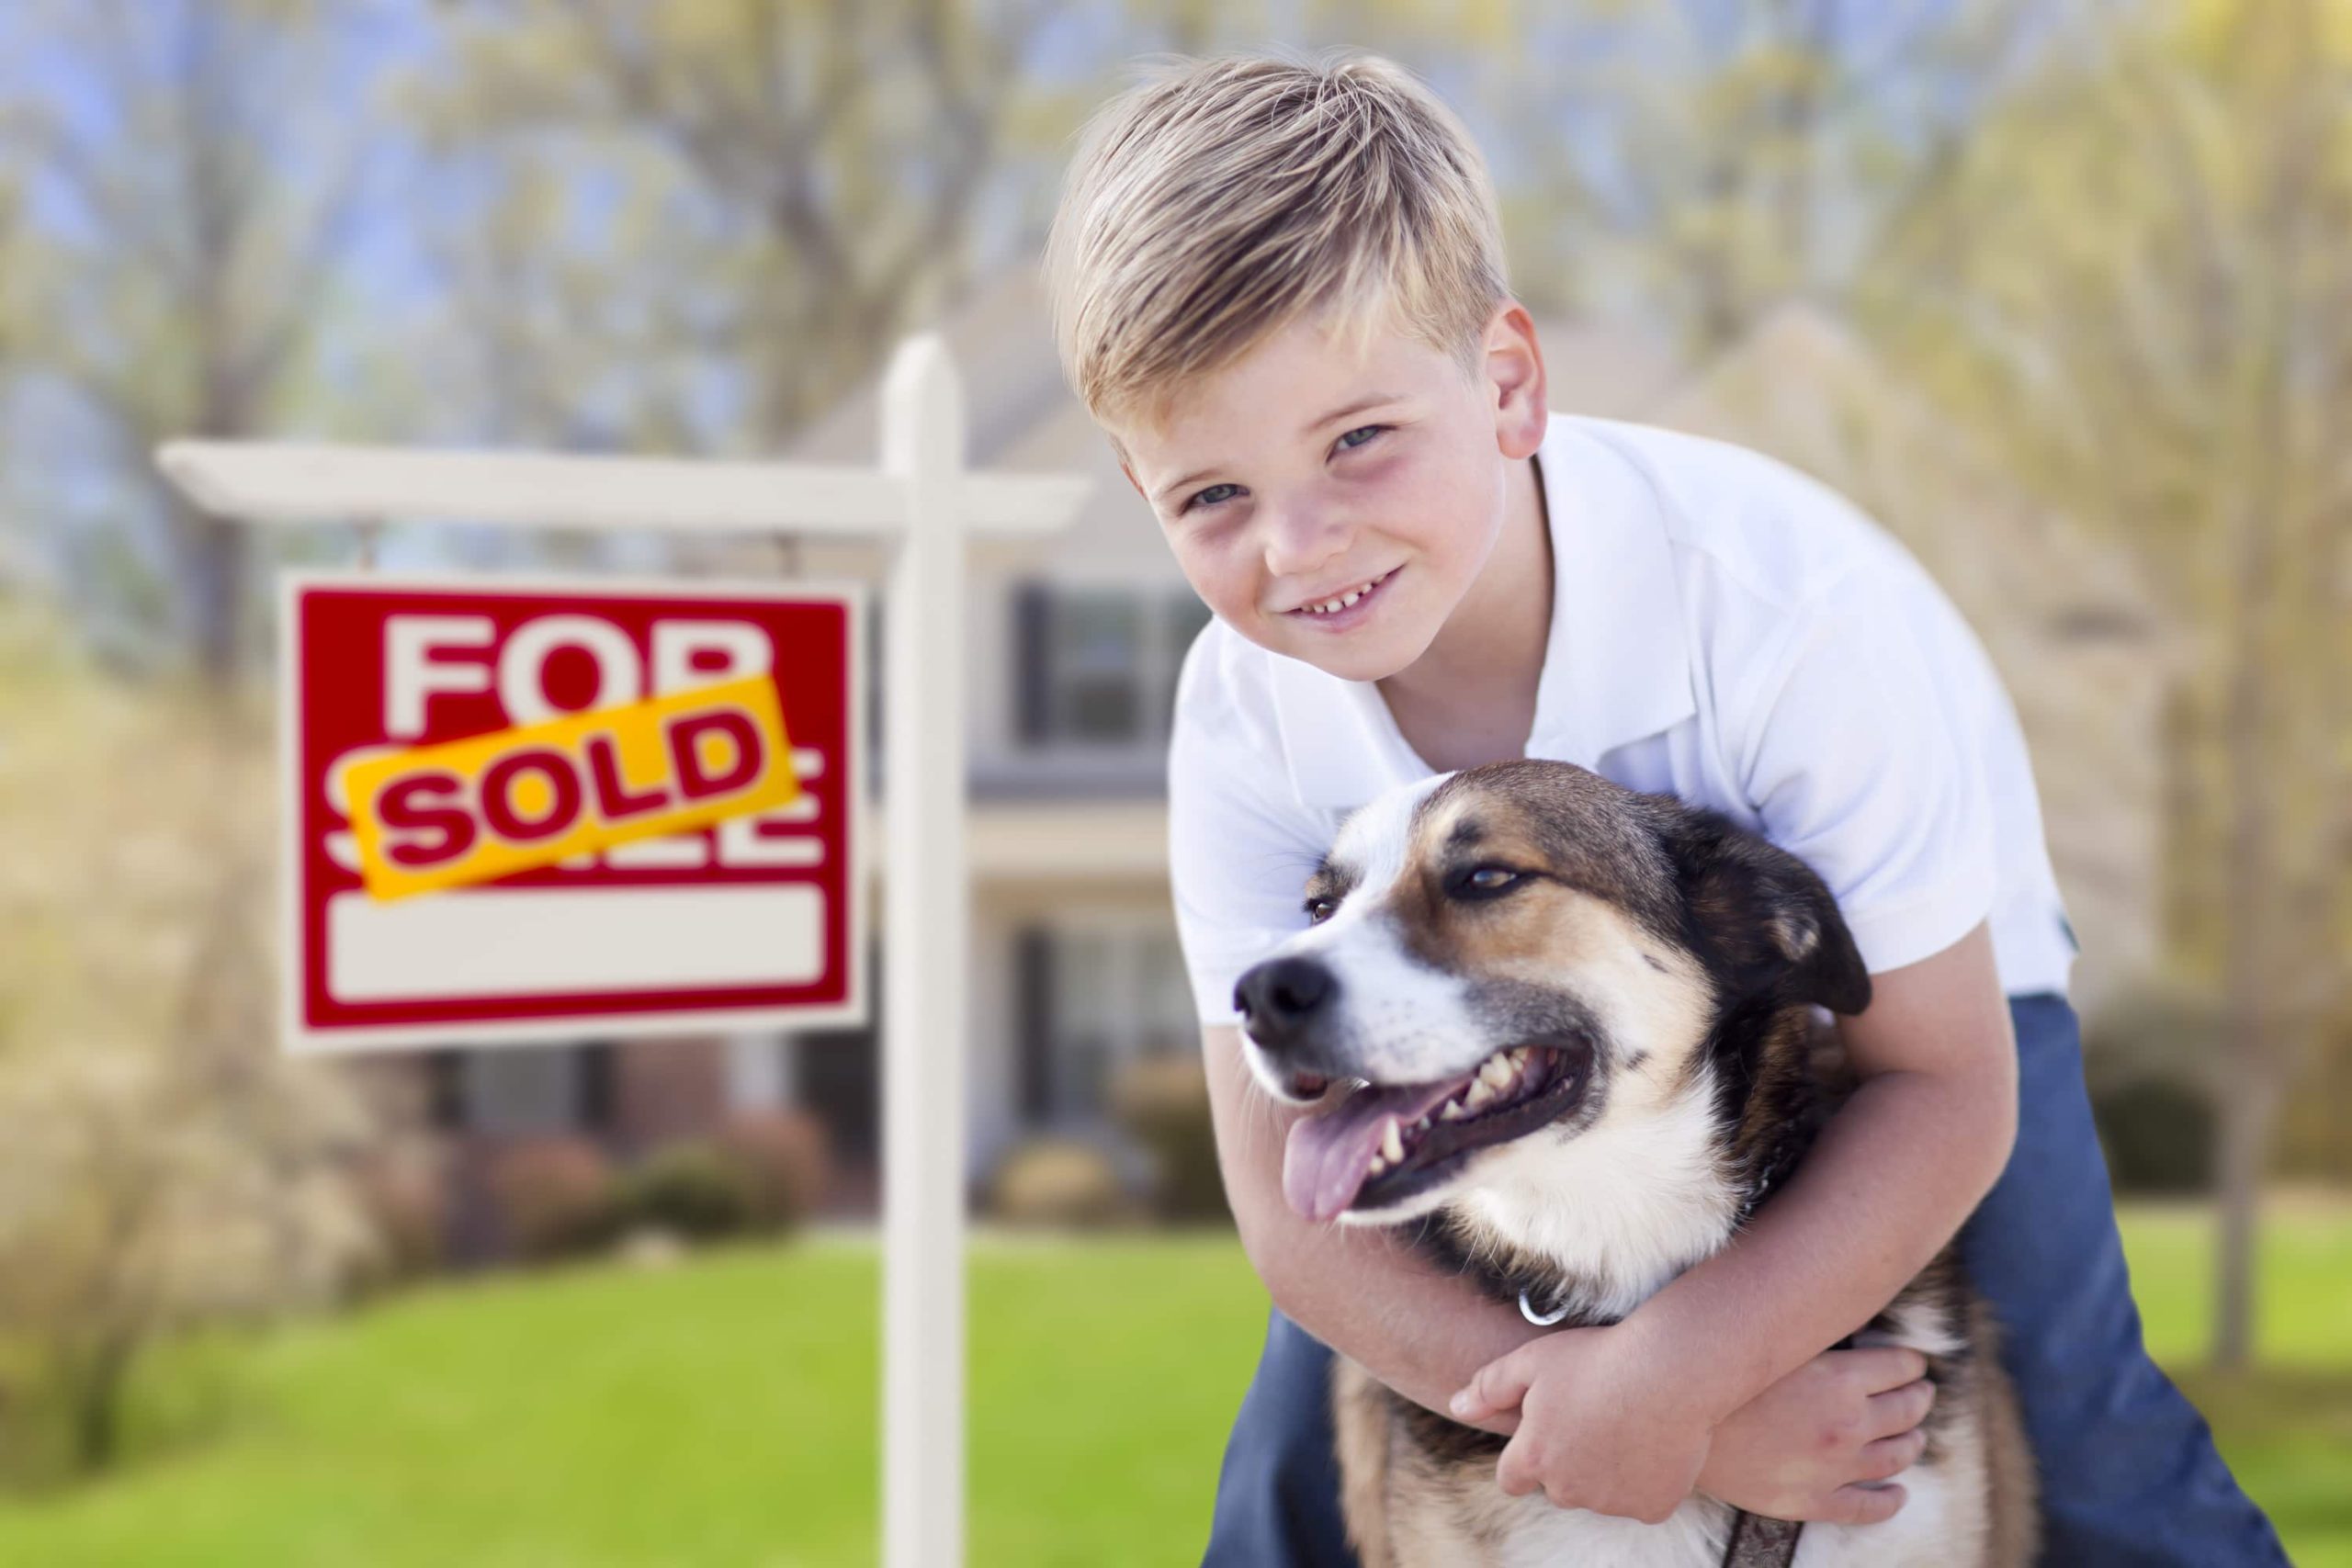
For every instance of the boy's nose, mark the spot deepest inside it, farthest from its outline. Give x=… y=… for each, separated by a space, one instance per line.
x=1301 y=543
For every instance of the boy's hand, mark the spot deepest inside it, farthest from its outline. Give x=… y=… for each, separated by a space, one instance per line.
x=1810 y=1445
x=1604 y=1424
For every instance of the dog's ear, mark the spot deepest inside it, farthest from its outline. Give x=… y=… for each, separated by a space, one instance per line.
x=1764 y=913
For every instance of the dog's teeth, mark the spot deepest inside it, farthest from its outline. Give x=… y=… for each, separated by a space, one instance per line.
x=1378 y=1165
x=1453 y=1112
x=1392 y=1143
x=1480 y=1092
x=1494 y=1073
x=1423 y=1125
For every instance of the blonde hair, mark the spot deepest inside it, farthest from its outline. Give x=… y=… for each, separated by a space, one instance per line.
x=1222 y=199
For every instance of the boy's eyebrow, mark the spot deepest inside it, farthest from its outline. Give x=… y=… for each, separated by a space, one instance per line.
x=1373 y=400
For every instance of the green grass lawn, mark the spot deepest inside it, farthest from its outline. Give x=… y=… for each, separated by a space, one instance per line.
x=725 y=1413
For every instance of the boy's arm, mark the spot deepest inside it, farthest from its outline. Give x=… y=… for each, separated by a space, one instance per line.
x=1623 y=1426
x=1890 y=1179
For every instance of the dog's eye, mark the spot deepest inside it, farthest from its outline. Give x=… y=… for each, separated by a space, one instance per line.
x=1319 y=909
x=1482 y=880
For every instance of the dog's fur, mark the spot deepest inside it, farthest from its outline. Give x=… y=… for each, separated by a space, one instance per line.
x=1677 y=965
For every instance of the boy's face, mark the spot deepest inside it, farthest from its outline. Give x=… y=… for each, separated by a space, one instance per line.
x=1278 y=491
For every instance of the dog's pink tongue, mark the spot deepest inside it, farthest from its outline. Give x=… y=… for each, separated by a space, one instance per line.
x=1329 y=1155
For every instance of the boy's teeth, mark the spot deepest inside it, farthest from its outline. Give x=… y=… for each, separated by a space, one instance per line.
x=1332 y=606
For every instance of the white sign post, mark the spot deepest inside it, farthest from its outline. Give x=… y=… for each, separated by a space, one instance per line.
x=927 y=502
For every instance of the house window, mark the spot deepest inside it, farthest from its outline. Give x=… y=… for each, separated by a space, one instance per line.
x=524 y=1090
x=1101 y=990
x=1182 y=615
x=521 y=1091
x=1097 y=665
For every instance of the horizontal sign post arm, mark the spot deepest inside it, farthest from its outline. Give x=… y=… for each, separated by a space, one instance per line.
x=285 y=481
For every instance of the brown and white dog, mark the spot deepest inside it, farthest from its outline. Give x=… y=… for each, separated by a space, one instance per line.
x=1569 y=1033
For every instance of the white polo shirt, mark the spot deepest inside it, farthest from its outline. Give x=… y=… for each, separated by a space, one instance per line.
x=1725 y=629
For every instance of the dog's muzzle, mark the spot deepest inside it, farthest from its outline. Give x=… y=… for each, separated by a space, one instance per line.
x=1286 y=1005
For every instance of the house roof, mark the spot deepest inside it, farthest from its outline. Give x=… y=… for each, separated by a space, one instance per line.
x=1000 y=338
x=1803 y=385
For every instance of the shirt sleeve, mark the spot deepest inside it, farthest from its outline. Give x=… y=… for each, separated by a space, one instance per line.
x=1238 y=855
x=1862 y=766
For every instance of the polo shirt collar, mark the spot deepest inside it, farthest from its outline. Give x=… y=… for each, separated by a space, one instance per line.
x=1615 y=671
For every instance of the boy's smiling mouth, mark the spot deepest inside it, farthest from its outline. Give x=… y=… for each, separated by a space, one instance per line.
x=1345 y=608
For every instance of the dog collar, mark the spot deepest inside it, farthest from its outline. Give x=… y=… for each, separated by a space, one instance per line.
x=1539 y=1319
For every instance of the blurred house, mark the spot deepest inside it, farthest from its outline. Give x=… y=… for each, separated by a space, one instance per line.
x=2088 y=662
x=1073 y=650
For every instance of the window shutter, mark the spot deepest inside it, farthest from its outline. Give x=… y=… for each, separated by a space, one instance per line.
x=444 y=1089
x=1032 y=632
x=598 y=1087
x=1186 y=615
x=876 y=725
x=1034 y=980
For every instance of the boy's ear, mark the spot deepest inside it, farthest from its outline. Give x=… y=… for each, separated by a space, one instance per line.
x=1770 y=921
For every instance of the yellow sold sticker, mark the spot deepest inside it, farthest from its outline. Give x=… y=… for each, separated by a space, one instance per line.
x=469 y=811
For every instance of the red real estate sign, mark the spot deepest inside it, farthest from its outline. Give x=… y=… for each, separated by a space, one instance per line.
x=551 y=809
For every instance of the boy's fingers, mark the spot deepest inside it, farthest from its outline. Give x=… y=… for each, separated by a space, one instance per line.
x=1900 y=1409
x=1515 y=1470
x=1498 y=1385
x=1891 y=1456
x=1883 y=1366
x=1863 y=1505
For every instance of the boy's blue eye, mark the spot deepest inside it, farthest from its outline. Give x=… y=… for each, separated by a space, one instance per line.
x=1344 y=446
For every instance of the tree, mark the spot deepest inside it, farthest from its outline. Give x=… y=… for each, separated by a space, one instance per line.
x=2134 y=278
x=1749 y=154
x=180 y=226
x=164 y=1164
x=697 y=223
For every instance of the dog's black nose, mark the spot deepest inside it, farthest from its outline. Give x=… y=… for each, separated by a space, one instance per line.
x=1281 y=996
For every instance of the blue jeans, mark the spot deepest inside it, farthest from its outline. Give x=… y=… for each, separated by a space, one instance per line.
x=2130 y=1475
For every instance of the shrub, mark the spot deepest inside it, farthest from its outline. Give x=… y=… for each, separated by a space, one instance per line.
x=786 y=1159
x=1163 y=1099
x=2158 y=1135
x=2149 y=1058
x=2170 y=1032
x=556 y=1197
x=1058 y=1182
x=693 y=1187
x=403 y=1194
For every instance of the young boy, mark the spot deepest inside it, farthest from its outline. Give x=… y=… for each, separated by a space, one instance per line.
x=1279 y=289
